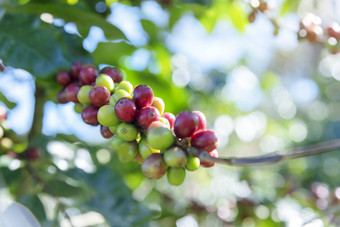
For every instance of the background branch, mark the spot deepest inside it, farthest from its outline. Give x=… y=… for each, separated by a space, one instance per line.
x=40 y=99
x=305 y=151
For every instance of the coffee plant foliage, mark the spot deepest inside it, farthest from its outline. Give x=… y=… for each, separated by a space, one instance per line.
x=264 y=75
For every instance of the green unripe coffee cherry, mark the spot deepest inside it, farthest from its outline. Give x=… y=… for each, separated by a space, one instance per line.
x=158 y=103
x=112 y=102
x=78 y=107
x=127 y=132
x=193 y=163
x=176 y=176
x=83 y=95
x=105 y=81
x=2 y=132
x=6 y=144
x=160 y=138
x=145 y=150
x=106 y=116
x=127 y=151
x=116 y=142
x=175 y=157
x=126 y=86
x=120 y=94
x=113 y=129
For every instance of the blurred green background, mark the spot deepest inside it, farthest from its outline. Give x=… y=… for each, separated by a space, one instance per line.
x=261 y=87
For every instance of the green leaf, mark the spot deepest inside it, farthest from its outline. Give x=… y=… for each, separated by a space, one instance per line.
x=151 y=29
x=289 y=6
x=110 y=53
x=113 y=198
x=58 y=187
x=8 y=103
x=24 y=44
x=33 y=203
x=82 y=18
x=73 y=48
x=10 y=177
x=238 y=16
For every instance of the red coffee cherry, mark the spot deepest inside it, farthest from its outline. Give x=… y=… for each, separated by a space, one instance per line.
x=171 y=118
x=75 y=68
x=210 y=164
x=71 y=92
x=147 y=115
x=99 y=96
x=143 y=96
x=88 y=74
x=61 y=97
x=186 y=124
x=153 y=166
x=202 y=120
x=126 y=110
x=63 y=78
x=114 y=73
x=89 y=115
x=105 y=132
x=206 y=140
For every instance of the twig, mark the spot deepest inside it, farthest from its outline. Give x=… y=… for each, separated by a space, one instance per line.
x=40 y=98
x=272 y=158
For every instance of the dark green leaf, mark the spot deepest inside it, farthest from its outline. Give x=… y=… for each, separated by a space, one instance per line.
x=73 y=48
x=60 y=188
x=8 y=103
x=33 y=203
x=9 y=177
x=24 y=44
x=82 y=18
x=113 y=198
x=109 y=52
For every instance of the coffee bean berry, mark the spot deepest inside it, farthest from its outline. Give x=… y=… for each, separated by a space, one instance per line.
x=135 y=122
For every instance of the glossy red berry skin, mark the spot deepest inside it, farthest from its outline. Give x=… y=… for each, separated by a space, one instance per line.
x=210 y=164
x=114 y=73
x=105 y=132
x=99 y=96
x=63 y=78
x=126 y=110
x=75 y=68
x=71 y=92
x=206 y=140
x=142 y=96
x=171 y=118
x=202 y=120
x=89 y=115
x=146 y=116
x=186 y=124
x=87 y=75
x=61 y=97
x=32 y=153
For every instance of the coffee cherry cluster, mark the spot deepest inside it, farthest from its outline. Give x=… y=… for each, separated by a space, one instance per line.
x=6 y=143
x=310 y=28
x=259 y=6
x=135 y=121
x=9 y=140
